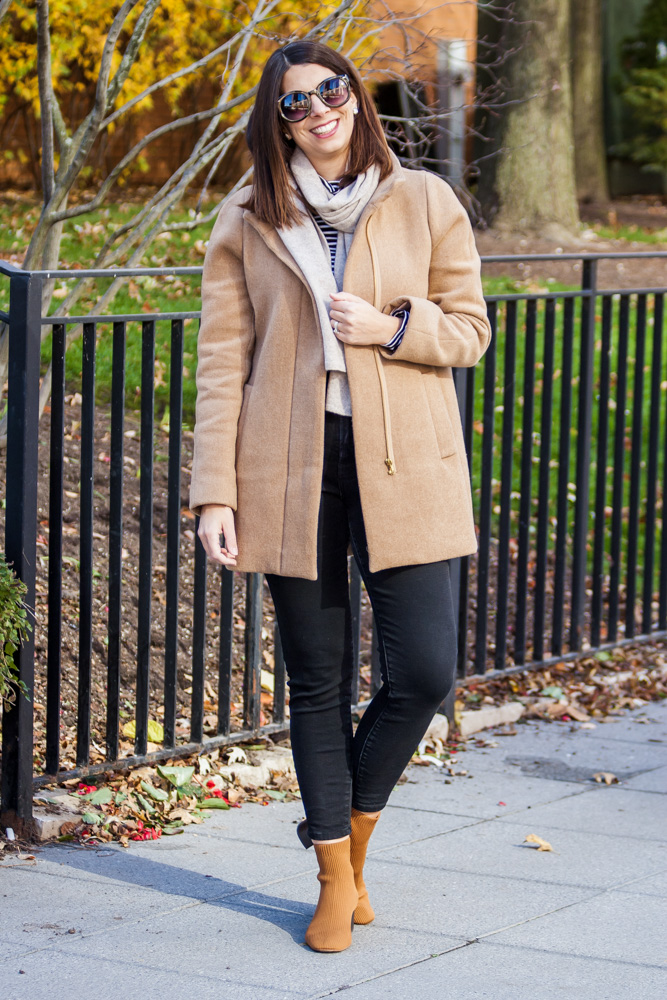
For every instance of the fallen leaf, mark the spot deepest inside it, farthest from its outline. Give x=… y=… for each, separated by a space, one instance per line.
x=553 y=691
x=542 y=845
x=177 y=776
x=155 y=730
x=98 y=797
x=577 y=713
x=183 y=816
x=91 y=819
x=157 y=794
x=605 y=776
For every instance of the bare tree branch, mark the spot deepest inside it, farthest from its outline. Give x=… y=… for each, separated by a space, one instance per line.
x=165 y=81
x=59 y=125
x=45 y=96
x=89 y=129
x=4 y=7
x=131 y=52
x=129 y=157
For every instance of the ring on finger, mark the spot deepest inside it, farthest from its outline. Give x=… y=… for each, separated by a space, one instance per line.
x=335 y=326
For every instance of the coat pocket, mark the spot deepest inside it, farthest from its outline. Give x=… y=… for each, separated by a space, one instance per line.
x=442 y=422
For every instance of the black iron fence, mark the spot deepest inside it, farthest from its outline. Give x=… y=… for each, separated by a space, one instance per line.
x=141 y=649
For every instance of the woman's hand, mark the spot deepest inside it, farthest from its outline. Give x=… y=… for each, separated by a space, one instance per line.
x=359 y=322
x=216 y=520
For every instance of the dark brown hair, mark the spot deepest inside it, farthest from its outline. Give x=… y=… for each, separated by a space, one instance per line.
x=272 y=195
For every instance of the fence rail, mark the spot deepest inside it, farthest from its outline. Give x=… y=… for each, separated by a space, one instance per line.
x=565 y=422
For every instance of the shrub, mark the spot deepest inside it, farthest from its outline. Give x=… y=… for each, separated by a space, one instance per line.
x=14 y=628
x=645 y=88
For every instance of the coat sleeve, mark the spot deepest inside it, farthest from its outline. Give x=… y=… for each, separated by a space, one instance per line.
x=450 y=327
x=224 y=359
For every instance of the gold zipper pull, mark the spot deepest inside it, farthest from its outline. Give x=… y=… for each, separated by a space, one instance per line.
x=391 y=468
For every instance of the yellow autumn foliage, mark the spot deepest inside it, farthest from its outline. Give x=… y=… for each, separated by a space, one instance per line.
x=180 y=33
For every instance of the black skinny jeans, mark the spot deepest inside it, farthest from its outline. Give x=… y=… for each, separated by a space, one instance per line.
x=417 y=634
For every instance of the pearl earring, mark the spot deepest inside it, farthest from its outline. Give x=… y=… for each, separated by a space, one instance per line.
x=355 y=111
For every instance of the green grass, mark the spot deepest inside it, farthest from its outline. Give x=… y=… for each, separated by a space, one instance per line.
x=633 y=234
x=638 y=385
x=82 y=240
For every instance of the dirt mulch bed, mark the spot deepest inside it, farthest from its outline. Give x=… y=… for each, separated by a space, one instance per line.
x=646 y=212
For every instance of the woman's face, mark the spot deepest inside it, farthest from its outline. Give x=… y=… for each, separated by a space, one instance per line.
x=325 y=135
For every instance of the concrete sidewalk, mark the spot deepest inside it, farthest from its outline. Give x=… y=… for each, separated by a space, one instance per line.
x=465 y=909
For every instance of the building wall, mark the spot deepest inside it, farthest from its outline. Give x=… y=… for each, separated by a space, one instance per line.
x=421 y=27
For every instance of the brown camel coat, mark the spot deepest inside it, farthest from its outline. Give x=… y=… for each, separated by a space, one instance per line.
x=261 y=382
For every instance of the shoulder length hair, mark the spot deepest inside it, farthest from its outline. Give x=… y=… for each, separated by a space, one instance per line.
x=272 y=195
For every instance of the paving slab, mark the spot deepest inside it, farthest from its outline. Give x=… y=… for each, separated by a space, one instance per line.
x=650 y=885
x=107 y=978
x=613 y=925
x=46 y=907
x=619 y=811
x=9 y=949
x=650 y=781
x=261 y=937
x=193 y=865
x=252 y=825
x=485 y=971
x=459 y=903
x=221 y=910
x=651 y=721
x=480 y=796
x=497 y=849
x=573 y=755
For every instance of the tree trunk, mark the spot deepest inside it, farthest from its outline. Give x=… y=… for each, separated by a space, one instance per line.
x=528 y=184
x=590 y=156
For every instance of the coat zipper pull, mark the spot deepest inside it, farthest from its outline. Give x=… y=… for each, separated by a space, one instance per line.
x=389 y=460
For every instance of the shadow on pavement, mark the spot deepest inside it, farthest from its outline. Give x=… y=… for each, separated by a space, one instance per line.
x=289 y=915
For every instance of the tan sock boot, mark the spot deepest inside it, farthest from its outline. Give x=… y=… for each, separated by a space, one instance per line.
x=362 y=828
x=331 y=927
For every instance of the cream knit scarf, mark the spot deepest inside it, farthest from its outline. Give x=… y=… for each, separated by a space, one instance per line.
x=309 y=249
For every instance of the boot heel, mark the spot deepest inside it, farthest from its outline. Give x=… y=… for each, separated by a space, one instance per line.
x=303 y=835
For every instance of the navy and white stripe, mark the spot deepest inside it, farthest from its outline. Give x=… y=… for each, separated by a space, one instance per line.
x=331 y=236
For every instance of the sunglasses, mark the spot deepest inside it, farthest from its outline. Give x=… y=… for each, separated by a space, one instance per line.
x=334 y=92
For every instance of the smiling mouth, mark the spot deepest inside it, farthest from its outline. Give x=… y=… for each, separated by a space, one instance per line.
x=324 y=131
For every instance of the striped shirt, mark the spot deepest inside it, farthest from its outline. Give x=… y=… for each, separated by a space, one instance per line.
x=331 y=236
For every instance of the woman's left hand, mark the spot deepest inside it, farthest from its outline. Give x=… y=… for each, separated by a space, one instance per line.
x=357 y=322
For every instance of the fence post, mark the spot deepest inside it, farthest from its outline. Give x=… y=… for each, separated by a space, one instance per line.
x=25 y=310
x=447 y=707
x=584 y=431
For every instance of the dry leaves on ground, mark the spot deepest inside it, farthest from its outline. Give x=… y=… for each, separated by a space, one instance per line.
x=541 y=845
x=606 y=683
x=161 y=800
x=605 y=776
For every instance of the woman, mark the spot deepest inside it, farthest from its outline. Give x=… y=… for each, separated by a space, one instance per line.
x=338 y=293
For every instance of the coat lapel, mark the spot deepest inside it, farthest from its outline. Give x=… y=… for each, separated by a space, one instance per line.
x=276 y=245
